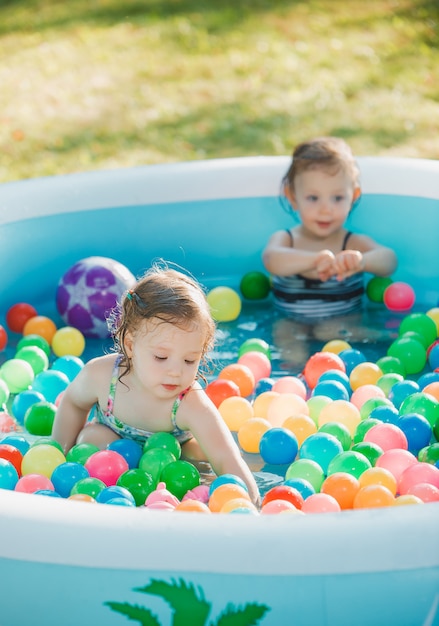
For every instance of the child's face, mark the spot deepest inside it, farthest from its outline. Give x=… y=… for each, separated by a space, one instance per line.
x=323 y=200
x=165 y=358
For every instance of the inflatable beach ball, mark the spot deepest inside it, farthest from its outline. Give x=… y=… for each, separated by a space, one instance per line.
x=89 y=290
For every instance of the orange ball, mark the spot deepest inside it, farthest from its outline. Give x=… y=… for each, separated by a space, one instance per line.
x=250 y=433
x=262 y=402
x=378 y=476
x=300 y=425
x=343 y=487
x=432 y=389
x=286 y=405
x=319 y=363
x=81 y=497
x=40 y=325
x=235 y=411
x=218 y=390
x=225 y=492
x=238 y=503
x=373 y=496
x=366 y=373
x=192 y=505
x=241 y=375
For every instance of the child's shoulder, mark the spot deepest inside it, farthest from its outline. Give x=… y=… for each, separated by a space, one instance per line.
x=101 y=364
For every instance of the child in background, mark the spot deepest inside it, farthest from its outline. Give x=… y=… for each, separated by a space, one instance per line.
x=317 y=266
x=162 y=332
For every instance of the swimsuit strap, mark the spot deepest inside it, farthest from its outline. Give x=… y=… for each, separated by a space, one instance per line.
x=113 y=383
x=175 y=407
x=345 y=240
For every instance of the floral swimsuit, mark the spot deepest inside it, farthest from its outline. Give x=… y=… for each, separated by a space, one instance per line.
x=131 y=432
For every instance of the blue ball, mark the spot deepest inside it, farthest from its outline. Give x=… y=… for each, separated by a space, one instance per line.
x=332 y=389
x=50 y=383
x=66 y=475
x=351 y=358
x=225 y=479
x=417 y=429
x=47 y=492
x=263 y=384
x=385 y=413
x=18 y=441
x=8 y=475
x=426 y=379
x=338 y=376
x=400 y=391
x=23 y=401
x=129 y=449
x=109 y=495
x=433 y=357
x=278 y=446
x=321 y=448
x=302 y=485
x=69 y=365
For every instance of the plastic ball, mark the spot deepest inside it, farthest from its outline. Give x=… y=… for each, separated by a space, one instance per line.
x=351 y=462
x=4 y=392
x=339 y=431
x=255 y=286
x=192 y=506
x=336 y=346
x=373 y=496
x=302 y=426
x=163 y=440
x=425 y=491
x=427 y=379
x=139 y=483
x=263 y=384
x=315 y=405
x=220 y=389
x=371 y=451
x=399 y=296
x=237 y=505
x=320 y=362
x=250 y=433
x=89 y=290
x=129 y=449
x=13 y=455
x=410 y=352
x=378 y=476
x=40 y=325
x=421 y=324
x=308 y=470
x=69 y=364
x=241 y=375
x=433 y=357
x=391 y=364
x=402 y=390
x=35 y=356
x=418 y=473
x=225 y=304
x=376 y=287
x=387 y=437
x=68 y=340
x=226 y=479
x=39 y=418
x=365 y=373
x=258 y=363
x=302 y=485
x=386 y=382
x=262 y=402
x=17 y=441
x=385 y=413
x=3 y=338
x=351 y=358
x=30 y=483
x=321 y=448
x=88 y=486
x=8 y=475
x=42 y=459
x=343 y=487
x=107 y=465
x=290 y=384
x=407 y=499
x=283 y=406
x=154 y=460
x=108 y=494
x=82 y=497
x=35 y=340
x=434 y=314
x=332 y=389
x=7 y=423
x=422 y=403
x=18 y=314
x=66 y=475
x=80 y=452
x=50 y=383
x=372 y=404
x=321 y=503
x=225 y=492
x=278 y=446
x=235 y=411
x=338 y=376
x=255 y=343
x=180 y=477
x=342 y=412
x=432 y=390
x=396 y=461
x=364 y=393
x=17 y=374
x=417 y=430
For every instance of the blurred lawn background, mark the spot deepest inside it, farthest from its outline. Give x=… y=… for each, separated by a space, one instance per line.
x=101 y=84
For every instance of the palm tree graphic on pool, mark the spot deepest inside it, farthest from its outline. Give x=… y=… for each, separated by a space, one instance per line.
x=189 y=606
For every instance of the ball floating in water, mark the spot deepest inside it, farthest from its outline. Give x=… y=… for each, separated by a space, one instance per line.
x=255 y=286
x=3 y=338
x=422 y=324
x=225 y=304
x=376 y=287
x=410 y=352
x=250 y=345
x=18 y=315
x=68 y=341
x=241 y=375
x=39 y=418
x=399 y=296
x=17 y=374
x=250 y=433
x=258 y=363
x=278 y=446
x=89 y=290
x=40 y=325
x=220 y=389
x=320 y=362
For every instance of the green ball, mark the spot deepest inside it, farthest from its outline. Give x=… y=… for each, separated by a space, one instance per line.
x=423 y=404
x=354 y=463
x=307 y=469
x=163 y=440
x=39 y=418
x=139 y=483
x=81 y=452
x=363 y=427
x=370 y=450
x=34 y=340
x=432 y=453
x=17 y=374
x=386 y=382
x=371 y=404
x=180 y=477
x=422 y=324
x=154 y=460
x=88 y=486
x=4 y=392
x=255 y=286
x=35 y=356
x=254 y=345
x=338 y=430
x=410 y=352
x=376 y=287
x=391 y=364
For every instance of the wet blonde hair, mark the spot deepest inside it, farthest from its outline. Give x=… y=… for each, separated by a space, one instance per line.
x=167 y=295
x=330 y=154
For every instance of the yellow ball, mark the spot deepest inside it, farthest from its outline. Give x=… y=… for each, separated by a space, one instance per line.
x=235 y=410
x=342 y=412
x=434 y=314
x=286 y=405
x=366 y=373
x=225 y=304
x=262 y=402
x=42 y=459
x=250 y=433
x=336 y=346
x=68 y=341
x=300 y=425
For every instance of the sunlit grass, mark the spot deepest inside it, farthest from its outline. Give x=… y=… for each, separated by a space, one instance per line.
x=105 y=84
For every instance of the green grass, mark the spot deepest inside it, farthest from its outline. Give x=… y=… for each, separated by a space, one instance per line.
x=101 y=84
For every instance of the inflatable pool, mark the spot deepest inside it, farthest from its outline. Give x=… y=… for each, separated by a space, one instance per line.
x=69 y=563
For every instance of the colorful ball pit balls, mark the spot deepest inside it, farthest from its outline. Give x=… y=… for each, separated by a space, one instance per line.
x=284 y=492
x=68 y=341
x=42 y=326
x=302 y=426
x=366 y=373
x=275 y=507
x=321 y=503
x=422 y=324
x=423 y=404
x=373 y=496
x=39 y=418
x=235 y=411
x=255 y=286
x=69 y=365
x=258 y=363
x=180 y=477
x=262 y=402
x=376 y=287
x=321 y=448
x=241 y=375
x=50 y=383
x=396 y=461
x=251 y=432
x=319 y=363
x=30 y=483
x=89 y=290
x=66 y=475
x=418 y=473
x=302 y=485
x=378 y=476
x=35 y=340
x=11 y=454
x=18 y=314
x=290 y=384
x=332 y=389
x=433 y=357
x=339 y=431
x=226 y=479
x=3 y=338
x=336 y=346
x=410 y=352
x=434 y=314
x=164 y=440
x=353 y=463
x=225 y=304
x=35 y=356
x=139 y=483
x=254 y=344
x=237 y=505
x=90 y=487
x=417 y=429
x=343 y=412
x=283 y=406
x=42 y=459
x=80 y=452
x=154 y=461
x=391 y=364
x=17 y=374
x=343 y=487
x=7 y=423
x=192 y=506
x=308 y=470
x=220 y=389
x=399 y=297
x=351 y=358
x=107 y=465
x=17 y=441
x=424 y=491
x=8 y=475
x=129 y=449
x=278 y=446
x=225 y=492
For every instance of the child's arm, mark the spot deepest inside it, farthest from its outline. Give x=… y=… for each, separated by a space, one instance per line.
x=281 y=259
x=215 y=439
x=368 y=256
x=74 y=407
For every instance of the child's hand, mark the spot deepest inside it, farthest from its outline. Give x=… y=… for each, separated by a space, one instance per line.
x=325 y=265
x=347 y=263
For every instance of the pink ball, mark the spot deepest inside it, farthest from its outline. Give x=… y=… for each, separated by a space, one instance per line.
x=257 y=362
x=30 y=483
x=418 y=473
x=277 y=506
x=320 y=503
x=396 y=461
x=107 y=465
x=424 y=491
x=290 y=384
x=387 y=437
x=399 y=297
x=364 y=393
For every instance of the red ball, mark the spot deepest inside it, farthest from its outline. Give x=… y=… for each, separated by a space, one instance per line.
x=319 y=363
x=219 y=390
x=18 y=315
x=284 y=492
x=399 y=297
x=11 y=454
x=3 y=338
